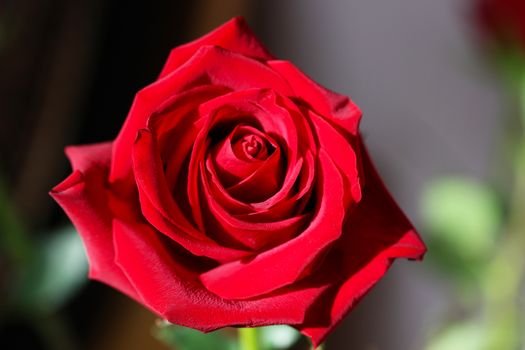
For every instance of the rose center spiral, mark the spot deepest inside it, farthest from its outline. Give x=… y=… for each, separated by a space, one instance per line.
x=252 y=144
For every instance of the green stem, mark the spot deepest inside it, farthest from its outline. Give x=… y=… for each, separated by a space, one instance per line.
x=248 y=339
x=521 y=97
x=507 y=269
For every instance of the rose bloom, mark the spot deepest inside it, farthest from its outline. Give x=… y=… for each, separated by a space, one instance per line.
x=502 y=21
x=237 y=193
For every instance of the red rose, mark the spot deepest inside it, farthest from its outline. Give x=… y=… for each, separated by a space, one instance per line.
x=238 y=193
x=502 y=21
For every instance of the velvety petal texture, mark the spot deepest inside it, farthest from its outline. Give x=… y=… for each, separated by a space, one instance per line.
x=237 y=193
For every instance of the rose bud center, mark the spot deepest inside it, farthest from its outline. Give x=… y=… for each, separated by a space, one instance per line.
x=252 y=147
x=252 y=144
x=248 y=158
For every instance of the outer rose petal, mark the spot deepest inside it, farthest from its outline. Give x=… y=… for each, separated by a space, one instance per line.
x=170 y=289
x=84 y=197
x=234 y=35
x=375 y=235
x=209 y=65
x=338 y=108
x=342 y=153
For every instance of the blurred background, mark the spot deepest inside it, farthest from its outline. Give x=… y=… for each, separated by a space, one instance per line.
x=437 y=120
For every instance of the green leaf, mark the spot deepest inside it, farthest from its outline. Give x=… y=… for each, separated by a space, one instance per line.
x=464 y=336
x=58 y=269
x=183 y=338
x=512 y=64
x=462 y=215
x=462 y=218
x=278 y=337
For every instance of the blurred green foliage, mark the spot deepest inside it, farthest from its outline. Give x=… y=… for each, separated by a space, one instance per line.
x=45 y=273
x=479 y=239
x=182 y=338
x=278 y=337
x=463 y=218
x=458 y=336
x=56 y=271
x=42 y=274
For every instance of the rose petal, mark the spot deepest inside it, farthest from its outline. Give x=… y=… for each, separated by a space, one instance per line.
x=254 y=105
x=255 y=236
x=162 y=211
x=234 y=35
x=85 y=199
x=268 y=109
x=336 y=107
x=375 y=235
x=291 y=204
x=169 y=122
x=262 y=183
x=230 y=160
x=295 y=203
x=341 y=152
x=209 y=65
x=285 y=264
x=174 y=292
x=174 y=127
x=358 y=285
